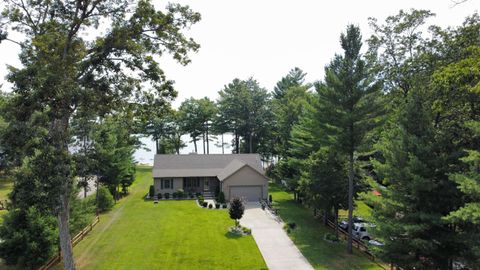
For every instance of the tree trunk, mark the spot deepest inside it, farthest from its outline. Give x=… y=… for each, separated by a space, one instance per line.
x=325 y=217
x=203 y=139
x=58 y=137
x=223 y=146
x=335 y=210
x=157 y=149
x=236 y=143
x=250 y=142
x=85 y=187
x=350 y=204
x=208 y=144
x=65 y=240
x=195 y=144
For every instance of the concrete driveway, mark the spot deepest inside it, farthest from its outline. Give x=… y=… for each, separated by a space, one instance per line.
x=278 y=251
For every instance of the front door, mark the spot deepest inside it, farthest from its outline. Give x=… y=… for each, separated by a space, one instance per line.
x=206 y=184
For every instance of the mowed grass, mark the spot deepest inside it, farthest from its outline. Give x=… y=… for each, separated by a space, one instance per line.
x=309 y=234
x=139 y=234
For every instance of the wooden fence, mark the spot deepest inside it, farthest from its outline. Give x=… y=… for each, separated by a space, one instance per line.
x=75 y=240
x=357 y=243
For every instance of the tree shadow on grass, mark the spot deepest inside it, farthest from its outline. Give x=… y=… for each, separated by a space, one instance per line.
x=230 y=235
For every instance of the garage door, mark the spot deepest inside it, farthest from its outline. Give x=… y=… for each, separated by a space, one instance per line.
x=249 y=193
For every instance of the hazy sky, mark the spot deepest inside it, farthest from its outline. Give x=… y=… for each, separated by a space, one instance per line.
x=265 y=39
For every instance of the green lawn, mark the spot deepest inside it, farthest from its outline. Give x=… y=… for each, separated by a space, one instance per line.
x=138 y=234
x=361 y=210
x=309 y=236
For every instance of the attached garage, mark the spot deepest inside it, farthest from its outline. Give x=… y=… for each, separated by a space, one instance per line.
x=249 y=193
x=241 y=180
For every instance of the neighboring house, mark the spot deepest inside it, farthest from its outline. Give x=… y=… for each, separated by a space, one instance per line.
x=237 y=175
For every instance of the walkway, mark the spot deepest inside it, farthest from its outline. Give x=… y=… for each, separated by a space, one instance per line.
x=278 y=251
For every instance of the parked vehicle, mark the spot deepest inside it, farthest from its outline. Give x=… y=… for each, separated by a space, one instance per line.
x=360 y=231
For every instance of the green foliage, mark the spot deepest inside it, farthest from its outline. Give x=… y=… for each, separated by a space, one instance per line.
x=114 y=147
x=221 y=197
x=82 y=213
x=151 y=191
x=110 y=72
x=325 y=181
x=244 y=107
x=29 y=238
x=105 y=200
x=194 y=118
x=236 y=209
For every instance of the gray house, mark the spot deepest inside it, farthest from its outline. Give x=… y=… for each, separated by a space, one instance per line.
x=237 y=175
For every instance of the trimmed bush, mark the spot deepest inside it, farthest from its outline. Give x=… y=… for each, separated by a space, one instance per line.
x=167 y=195
x=210 y=206
x=200 y=200
x=180 y=193
x=246 y=230
x=159 y=195
x=105 y=199
x=224 y=206
x=204 y=204
x=151 y=191
x=174 y=195
x=217 y=205
x=221 y=197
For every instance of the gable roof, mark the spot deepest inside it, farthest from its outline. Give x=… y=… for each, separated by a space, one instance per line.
x=195 y=165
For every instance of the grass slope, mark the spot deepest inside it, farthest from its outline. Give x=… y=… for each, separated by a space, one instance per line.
x=138 y=234
x=309 y=237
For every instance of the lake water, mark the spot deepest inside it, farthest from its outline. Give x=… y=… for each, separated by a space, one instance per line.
x=145 y=154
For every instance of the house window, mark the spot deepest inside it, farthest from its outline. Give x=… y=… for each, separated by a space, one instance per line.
x=191 y=182
x=166 y=183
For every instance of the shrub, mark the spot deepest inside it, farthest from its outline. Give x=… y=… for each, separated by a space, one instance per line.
x=246 y=230
x=292 y=225
x=286 y=228
x=159 y=195
x=217 y=191
x=151 y=191
x=205 y=204
x=190 y=195
x=167 y=195
x=105 y=200
x=29 y=238
x=270 y=199
x=180 y=193
x=198 y=194
x=331 y=237
x=210 y=206
x=200 y=200
x=224 y=206
x=174 y=195
x=221 y=197
x=217 y=205
x=236 y=209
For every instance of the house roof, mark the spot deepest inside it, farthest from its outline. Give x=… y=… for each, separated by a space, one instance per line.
x=194 y=165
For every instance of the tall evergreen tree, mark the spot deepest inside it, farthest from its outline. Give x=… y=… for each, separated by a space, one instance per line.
x=348 y=105
x=294 y=78
x=409 y=213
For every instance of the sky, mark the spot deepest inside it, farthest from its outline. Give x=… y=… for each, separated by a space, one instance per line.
x=267 y=38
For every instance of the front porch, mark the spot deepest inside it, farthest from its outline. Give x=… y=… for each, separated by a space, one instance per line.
x=203 y=185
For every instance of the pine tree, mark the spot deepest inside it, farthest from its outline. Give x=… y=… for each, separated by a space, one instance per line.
x=348 y=105
x=409 y=213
